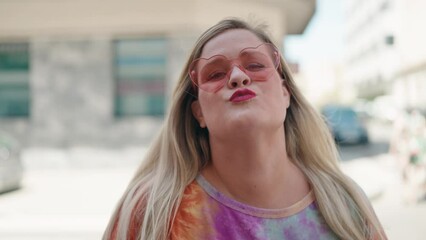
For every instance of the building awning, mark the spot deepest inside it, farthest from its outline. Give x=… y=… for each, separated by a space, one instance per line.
x=298 y=14
x=23 y=19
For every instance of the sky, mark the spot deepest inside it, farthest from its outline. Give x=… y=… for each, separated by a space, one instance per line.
x=322 y=39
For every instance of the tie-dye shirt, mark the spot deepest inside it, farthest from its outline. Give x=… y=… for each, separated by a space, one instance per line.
x=207 y=214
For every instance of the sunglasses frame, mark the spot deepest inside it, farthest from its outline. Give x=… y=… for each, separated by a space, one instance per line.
x=193 y=64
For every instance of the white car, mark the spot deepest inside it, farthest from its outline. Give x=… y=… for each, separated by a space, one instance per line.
x=11 y=170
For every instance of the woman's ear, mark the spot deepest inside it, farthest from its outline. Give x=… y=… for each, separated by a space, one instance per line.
x=286 y=93
x=197 y=113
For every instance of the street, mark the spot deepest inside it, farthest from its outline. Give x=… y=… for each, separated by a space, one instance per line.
x=75 y=201
x=376 y=172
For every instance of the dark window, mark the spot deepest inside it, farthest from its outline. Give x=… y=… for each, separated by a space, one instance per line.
x=14 y=80
x=389 y=40
x=140 y=72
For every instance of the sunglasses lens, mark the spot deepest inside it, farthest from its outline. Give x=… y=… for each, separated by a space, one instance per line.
x=212 y=73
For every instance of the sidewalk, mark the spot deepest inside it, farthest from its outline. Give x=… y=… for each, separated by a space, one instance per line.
x=74 y=200
x=62 y=204
x=374 y=174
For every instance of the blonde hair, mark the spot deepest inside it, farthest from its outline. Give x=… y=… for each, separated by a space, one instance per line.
x=148 y=206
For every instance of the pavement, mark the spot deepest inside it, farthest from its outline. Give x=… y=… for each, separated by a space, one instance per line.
x=373 y=174
x=64 y=199
x=67 y=194
x=366 y=171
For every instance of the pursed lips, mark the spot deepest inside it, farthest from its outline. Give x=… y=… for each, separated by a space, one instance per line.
x=242 y=95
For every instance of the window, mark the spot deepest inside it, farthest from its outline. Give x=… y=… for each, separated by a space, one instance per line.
x=389 y=40
x=140 y=72
x=14 y=80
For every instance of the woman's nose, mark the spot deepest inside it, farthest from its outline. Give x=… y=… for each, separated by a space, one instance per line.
x=238 y=78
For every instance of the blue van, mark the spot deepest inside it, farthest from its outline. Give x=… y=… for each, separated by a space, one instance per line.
x=345 y=125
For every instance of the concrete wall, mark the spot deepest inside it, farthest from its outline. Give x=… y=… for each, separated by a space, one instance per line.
x=72 y=89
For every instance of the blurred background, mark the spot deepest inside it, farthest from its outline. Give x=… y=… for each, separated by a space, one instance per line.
x=85 y=85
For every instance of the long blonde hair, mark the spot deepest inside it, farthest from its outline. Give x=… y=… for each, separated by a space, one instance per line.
x=148 y=206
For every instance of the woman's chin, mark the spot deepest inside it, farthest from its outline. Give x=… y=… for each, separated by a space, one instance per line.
x=249 y=122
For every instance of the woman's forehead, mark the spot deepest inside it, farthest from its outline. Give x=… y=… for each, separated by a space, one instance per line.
x=230 y=43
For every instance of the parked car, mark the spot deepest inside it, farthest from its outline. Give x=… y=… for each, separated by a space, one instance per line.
x=345 y=125
x=11 y=170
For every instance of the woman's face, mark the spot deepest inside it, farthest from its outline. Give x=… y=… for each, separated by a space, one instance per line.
x=241 y=103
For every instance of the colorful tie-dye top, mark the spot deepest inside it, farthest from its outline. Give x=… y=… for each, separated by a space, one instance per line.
x=205 y=213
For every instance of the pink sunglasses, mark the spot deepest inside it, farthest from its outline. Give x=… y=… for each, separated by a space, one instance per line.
x=258 y=63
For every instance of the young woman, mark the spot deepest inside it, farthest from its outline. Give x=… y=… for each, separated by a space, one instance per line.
x=242 y=155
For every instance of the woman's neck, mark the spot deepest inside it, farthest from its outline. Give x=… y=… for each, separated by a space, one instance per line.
x=256 y=171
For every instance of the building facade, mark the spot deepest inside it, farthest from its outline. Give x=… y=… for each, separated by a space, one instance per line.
x=386 y=56
x=101 y=72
